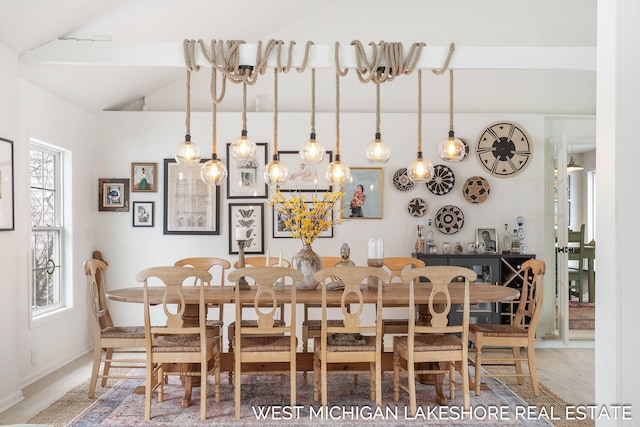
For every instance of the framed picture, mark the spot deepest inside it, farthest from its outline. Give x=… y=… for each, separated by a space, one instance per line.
x=302 y=176
x=245 y=178
x=280 y=230
x=144 y=177
x=250 y=217
x=363 y=195
x=190 y=205
x=113 y=195
x=489 y=237
x=143 y=214
x=7 y=208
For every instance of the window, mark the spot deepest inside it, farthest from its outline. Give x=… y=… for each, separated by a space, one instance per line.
x=47 y=292
x=591 y=205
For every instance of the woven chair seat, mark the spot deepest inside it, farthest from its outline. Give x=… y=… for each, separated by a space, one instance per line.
x=214 y=323
x=123 y=332
x=498 y=330
x=443 y=342
x=179 y=343
x=316 y=325
x=402 y=322
x=265 y=343
x=254 y=323
x=370 y=345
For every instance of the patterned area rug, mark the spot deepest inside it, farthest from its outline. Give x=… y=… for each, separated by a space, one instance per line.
x=116 y=406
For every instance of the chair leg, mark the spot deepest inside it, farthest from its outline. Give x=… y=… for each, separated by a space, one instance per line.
x=107 y=365
x=396 y=376
x=478 y=367
x=464 y=374
x=148 y=391
x=305 y=342
x=236 y=384
x=372 y=381
x=316 y=378
x=531 y=356
x=231 y=333
x=97 y=355
x=452 y=382
x=203 y=391
x=516 y=360
x=411 y=374
x=216 y=369
x=323 y=381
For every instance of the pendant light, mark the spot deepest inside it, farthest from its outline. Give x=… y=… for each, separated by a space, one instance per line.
x=214 y=172
x=337 y=172
x=378 y=151
x=572 y=166
x=243 y=148
x=275 y=172
x=420 y=170
x=452 y=149
x=188 y=153
x=312 y=151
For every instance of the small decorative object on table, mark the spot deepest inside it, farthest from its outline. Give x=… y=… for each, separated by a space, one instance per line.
x=306 y=219
x=345 y=252
x=375 y=258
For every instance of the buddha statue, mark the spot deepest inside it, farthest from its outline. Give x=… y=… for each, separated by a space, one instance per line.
x=345 y=251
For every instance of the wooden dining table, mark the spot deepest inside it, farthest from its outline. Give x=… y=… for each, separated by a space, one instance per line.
x=394 y=294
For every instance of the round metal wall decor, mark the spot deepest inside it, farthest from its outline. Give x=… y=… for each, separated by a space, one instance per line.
x=401 y=180
x=476 y=189
x=449 y=219
x=443 y=180
x=417 y=207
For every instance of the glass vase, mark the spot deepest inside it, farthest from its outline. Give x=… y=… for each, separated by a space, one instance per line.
x=308 y=263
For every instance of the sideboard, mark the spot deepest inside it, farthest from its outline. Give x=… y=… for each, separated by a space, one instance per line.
x=498 y=269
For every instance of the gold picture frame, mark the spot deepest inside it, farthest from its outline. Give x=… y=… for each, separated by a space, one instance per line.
x=144 y=177
x=371 y=181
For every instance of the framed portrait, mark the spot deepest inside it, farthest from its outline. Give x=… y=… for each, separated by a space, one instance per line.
x=245 y=179
x=249 y=217
x=144 y=177
x=190 y=205
x=489 y=237
x=113 y=195
x=7 y=208
x=143 y=214
x=280 y=230
x=302 y=176
x=363 y=195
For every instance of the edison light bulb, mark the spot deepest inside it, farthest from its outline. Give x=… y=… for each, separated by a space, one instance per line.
x=378 y=151
x=420 y=170
x=312 y=151
x=213 y=172
x=275 y=172
x=338 y=173
x=452 y=149
x=243 y=148
x=187 y=153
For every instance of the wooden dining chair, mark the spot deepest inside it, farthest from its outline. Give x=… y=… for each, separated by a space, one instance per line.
x=268 y=340
x=212 y=265
x=187 y=348
x=576 y=256
x=521 y=333
x=434 y=345
x=109 y=340
x=354 y=340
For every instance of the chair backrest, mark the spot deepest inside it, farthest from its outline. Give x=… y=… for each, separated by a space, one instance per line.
x=530 y=306
x=266 y=296
x=397 y=265
x=441 y=277
x=576 y=241
x=207 y=264
x=329 y=261
x=94 y=270
x=261 y=261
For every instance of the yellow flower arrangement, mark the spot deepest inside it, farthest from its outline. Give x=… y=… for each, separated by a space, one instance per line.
x=305 y=218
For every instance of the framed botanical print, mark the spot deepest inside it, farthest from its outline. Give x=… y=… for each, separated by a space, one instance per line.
x=7 y=208
x=190 y=205
x=245 y=179
x=144 y=177
x=143 y=214
x=302 y=176
x=113 y=195
x=363 y=195
x=247 y=220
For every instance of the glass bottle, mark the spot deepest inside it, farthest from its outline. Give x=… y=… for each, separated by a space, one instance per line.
x=420 y=243
x=505 y=240
x=431 y=247
x=515 y=242
x=446 y=247
x=521 y=235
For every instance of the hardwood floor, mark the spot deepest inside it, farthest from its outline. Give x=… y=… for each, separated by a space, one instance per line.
x=575 y=384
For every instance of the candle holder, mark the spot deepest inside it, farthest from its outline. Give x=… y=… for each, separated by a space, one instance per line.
x=242 y=282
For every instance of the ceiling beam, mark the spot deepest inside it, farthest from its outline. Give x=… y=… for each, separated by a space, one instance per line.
x=170 y=54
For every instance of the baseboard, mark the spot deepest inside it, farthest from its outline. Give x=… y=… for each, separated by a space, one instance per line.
x=11 y=400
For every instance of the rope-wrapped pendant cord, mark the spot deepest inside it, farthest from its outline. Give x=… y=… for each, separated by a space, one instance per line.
x=450 y=100
x=419 y=111
x=377 y=108
x=339 y=73
x=190 y=64
x=244 y=106
x=275 y=111
x=313 y=101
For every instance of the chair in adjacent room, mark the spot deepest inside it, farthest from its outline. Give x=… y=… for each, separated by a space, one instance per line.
x=109 y=340
x=268 y=340
x=576 y=256
x=435 y=347
x=511 y=339
x=172 y=341
x=354 y=340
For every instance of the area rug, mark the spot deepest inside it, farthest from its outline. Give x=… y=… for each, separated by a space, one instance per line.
x=266 y=403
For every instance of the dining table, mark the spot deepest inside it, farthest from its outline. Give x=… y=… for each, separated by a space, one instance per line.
x=394 y=294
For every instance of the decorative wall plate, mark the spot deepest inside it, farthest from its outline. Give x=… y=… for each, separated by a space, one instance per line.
x=443 y=180
x=503 y=149
x=449 y=219
x=476 y=189
x=417 y=207
x=401 y=180
x=466 y=148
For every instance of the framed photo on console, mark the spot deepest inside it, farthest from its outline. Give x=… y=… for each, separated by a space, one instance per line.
x=489 y=238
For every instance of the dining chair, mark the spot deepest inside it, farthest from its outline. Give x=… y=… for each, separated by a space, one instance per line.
x=576 y=256
x=210 y=264
x=521 y=333
x=173 y=340
x=268 y=340
x=108 y=339
x=355 y=339
x=434 y=348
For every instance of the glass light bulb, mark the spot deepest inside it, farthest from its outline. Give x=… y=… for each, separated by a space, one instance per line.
x=338 y=173
x=187 y=153
x=275 y=173
x=420 y=170
x=452 y=149
x=243 y=148
x=213 y=172
x=378 y=151
x=312 y=151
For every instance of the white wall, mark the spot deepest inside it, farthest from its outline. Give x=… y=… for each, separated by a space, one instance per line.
x=126 y=137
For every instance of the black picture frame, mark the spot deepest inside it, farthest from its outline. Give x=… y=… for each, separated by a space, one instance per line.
x=245 y=179
x=304 y=177
x=113 y=194
x=7 y=200
x=190 y=205
x=143 y=214
x=277 y=231
x=251 y=217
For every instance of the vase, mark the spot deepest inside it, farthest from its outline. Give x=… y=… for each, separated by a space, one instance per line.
x=308 y=263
